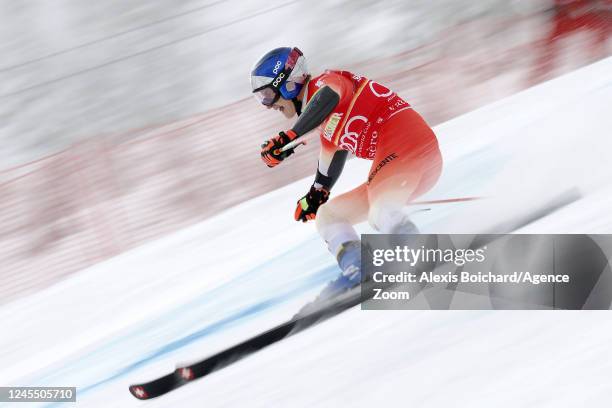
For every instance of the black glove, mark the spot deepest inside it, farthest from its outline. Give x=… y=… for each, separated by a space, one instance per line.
x=308 y=205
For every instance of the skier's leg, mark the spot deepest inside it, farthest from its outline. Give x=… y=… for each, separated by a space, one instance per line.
x=335 y=219
x=335 y=222
x=407 y=164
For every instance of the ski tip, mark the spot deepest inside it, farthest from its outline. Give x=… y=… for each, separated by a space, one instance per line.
x=138 y=392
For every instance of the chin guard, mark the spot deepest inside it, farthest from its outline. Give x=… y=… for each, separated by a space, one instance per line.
x=298 y=106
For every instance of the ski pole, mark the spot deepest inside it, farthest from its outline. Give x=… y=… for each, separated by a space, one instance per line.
x=292 y=145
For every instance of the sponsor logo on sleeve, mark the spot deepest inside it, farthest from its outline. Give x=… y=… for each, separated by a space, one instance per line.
x=332 y=124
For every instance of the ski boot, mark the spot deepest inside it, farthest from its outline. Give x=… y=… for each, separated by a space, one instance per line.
x=349 y=260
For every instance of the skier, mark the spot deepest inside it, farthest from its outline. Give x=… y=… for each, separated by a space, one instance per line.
x=353 y=115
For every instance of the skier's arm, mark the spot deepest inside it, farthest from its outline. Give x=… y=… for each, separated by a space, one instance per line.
x=330 y=167
x=331 y=163
x=319 y=107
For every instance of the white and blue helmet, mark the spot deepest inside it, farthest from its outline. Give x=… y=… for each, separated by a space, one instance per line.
x=280 y=72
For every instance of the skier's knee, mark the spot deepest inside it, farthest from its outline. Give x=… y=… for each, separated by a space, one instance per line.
x=333 y=228
x=325 y=216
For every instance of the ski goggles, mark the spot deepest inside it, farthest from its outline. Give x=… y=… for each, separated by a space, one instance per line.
x=269 y=93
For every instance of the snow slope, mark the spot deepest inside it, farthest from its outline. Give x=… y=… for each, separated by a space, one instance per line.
x=133 y=317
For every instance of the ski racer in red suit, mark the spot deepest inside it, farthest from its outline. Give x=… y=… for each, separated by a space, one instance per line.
x=355 y=115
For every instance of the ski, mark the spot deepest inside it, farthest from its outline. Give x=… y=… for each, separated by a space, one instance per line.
x=303 y=320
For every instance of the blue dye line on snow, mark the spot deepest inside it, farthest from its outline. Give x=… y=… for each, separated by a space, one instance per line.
x=194 y=304
x=321 y=277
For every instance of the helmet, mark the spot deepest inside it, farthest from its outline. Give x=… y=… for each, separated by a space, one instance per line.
x=280 y=72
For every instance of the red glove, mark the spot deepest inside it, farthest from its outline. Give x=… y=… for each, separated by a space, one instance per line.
x=271 y=153
x=308 y=205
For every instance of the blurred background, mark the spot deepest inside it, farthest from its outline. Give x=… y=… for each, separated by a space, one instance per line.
x=123 y=121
